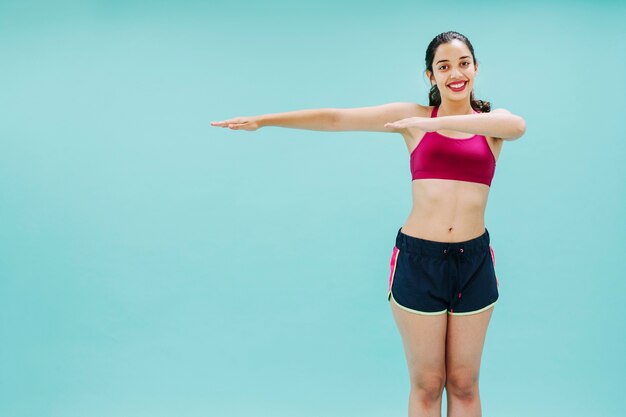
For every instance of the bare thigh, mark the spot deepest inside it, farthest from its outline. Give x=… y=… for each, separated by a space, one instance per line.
x=465 y=341
x=424 y=340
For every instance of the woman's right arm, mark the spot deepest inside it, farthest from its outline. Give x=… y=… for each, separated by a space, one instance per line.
x=314 y=119
x=370 y=119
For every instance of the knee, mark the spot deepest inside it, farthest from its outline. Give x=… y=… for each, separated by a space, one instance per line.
x=462 y=385
x=428 y=388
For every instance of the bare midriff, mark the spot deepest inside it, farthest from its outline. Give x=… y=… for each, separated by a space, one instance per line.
x=447 y=210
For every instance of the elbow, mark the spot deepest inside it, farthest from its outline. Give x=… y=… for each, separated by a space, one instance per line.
x=330 y=120
x=516 y=125
x=517 y=129
x=521 y=127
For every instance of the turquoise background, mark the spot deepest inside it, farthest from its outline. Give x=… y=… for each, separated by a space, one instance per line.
x=153 y=265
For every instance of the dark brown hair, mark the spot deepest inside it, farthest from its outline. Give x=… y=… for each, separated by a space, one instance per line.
x=434 y=96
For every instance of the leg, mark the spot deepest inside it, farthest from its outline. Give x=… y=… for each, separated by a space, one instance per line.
x=465 y=341
x=424 y=338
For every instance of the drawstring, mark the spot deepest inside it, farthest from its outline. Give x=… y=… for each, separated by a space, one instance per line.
x=459 y=257
x=458 y=253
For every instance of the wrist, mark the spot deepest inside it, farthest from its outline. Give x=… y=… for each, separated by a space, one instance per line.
x=260 y=121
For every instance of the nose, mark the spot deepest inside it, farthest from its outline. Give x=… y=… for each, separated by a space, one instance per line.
x=455 y=73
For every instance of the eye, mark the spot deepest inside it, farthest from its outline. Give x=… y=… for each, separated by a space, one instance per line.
x=465 y=62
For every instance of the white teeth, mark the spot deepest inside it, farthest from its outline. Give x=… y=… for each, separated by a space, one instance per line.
x=457 y=85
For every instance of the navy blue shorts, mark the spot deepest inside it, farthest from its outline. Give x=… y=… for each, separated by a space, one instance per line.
x=429 y=277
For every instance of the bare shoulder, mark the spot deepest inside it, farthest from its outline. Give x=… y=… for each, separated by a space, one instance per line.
x=426 y=110
x=412 y=135
x=419 y=110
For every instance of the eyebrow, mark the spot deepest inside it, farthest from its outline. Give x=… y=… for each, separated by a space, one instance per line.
x=445 y=60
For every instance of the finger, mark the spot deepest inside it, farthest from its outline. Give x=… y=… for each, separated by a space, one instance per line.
x=226 y=122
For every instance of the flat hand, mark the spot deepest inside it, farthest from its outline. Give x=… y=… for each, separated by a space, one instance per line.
x=427 y=124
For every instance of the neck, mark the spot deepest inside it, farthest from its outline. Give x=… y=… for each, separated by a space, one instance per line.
x=453 y=108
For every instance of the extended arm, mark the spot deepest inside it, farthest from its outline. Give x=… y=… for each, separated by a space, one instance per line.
x=369 y=119
x=313 y=119
x=499 y=123
x=310 y=119
x=329 y=119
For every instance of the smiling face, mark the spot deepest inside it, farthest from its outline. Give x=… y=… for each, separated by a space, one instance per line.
x=453 y=64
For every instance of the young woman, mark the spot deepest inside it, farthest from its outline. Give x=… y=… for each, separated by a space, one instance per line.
x=442 y=271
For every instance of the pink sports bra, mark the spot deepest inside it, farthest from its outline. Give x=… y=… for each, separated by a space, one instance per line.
x=439 y=156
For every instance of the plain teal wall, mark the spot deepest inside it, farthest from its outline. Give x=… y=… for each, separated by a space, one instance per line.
x=153 y=265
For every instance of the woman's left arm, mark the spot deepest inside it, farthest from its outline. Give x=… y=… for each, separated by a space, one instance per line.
x=498 y=123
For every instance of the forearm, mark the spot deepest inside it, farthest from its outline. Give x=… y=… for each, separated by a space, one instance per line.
x=310 y=119
x=500 y=125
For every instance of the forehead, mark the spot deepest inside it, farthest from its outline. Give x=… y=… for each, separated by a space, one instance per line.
x=452 y=50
